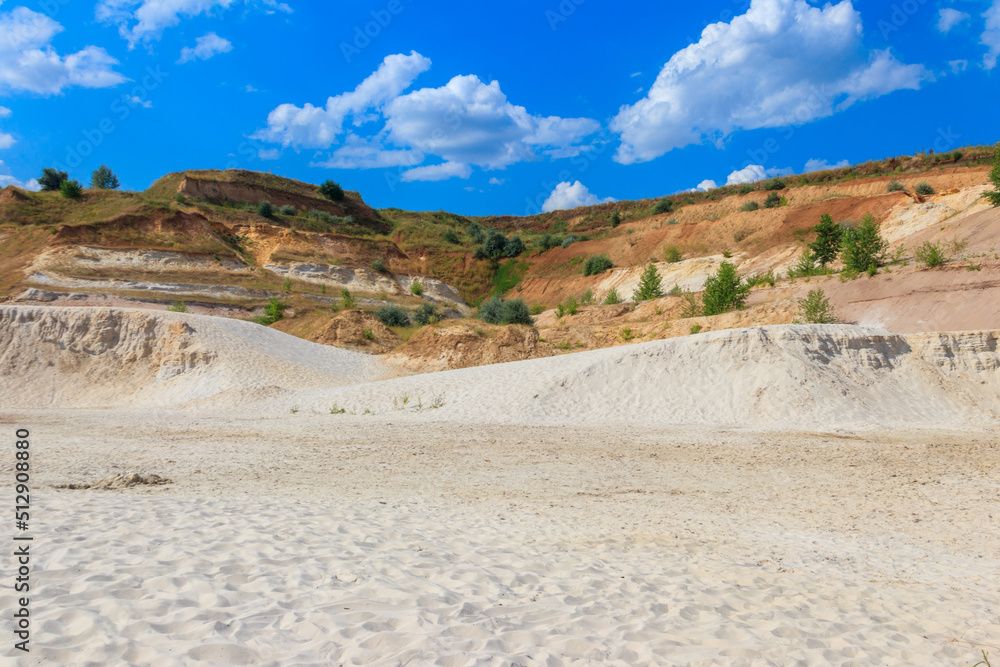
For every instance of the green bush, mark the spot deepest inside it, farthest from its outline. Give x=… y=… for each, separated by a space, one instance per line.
x=265 y=209
x=51 y=179
x=863 y=248
x=650 y=285
x=806 y=266
x=768 y=279
x=569 y=306
x=924 y=188
x=103 y=178
x=378 y=265
x=451 y=237
x=663 y=206
x=332 y=191
x=616 y=219
x=612 y=297
x=587 y=298
x=392 y=316
x=426 y=313
x=725 y=291
x=826 y=247
x=273 y=311
x=548 y=241
x=815 y=308
x=416 y=287
x=750 y=206
x=746 y=188
x=178 y=307
x=597 y=264
x=895 y=186
x=288 y=210
x=71 y=189
x=773 y=200
x=993 y=196
x=476 y=233
x=570 y=239
x=513 y=247
x=672 y=254
x=497 y=311
x=347 y=301
x=931 y=255
x=775 y=184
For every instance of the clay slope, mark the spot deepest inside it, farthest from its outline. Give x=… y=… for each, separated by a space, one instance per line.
x=783 y=377
x=104 y=358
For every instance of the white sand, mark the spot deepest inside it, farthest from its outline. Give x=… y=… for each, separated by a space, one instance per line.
x=583 y=526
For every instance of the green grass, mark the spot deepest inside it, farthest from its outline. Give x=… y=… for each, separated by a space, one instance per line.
x=508 y=276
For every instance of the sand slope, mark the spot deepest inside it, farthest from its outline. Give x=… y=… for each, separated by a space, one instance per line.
x=110 y=357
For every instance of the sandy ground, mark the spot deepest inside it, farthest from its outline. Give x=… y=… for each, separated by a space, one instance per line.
x=771 y=496
x=332 y=539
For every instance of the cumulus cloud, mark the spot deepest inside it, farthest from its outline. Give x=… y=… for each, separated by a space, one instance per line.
x=991 y=36
x=807 y=62
x=145 y=20
x=706 y=185
x=5 y=112
x=568 y=195
x=497 y=181
x=7 y=179
x=309 y=126
x=823 y=165
x=948 y=18
x=6 y=140
x=137 y=101
x=29 y=62
x=465 y=123
x=438 y=172
x=755 y=172
x=205 y=47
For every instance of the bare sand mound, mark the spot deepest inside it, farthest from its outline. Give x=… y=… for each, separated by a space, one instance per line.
x=109 y=357
x=357 y=330
x=787 y=377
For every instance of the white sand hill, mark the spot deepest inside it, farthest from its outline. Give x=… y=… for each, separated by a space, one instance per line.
x=779 y=496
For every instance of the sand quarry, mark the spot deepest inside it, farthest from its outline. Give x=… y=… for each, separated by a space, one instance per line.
x=209 y=491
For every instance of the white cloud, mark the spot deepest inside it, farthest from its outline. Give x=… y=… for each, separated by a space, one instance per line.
x=318 y=127
x=6 y=179
x=269 y=154
x=438 y=172
x=755 y=172
x=991 y=36
x=145 y=20
x=205 y=47
x=465 y=123
x=5 y=112
x=29 y=62
x=948 y=18
x=137 y=101
x=497 y=181
x=823 y=165
x=471 y=122
x=635 y=74
x=251 y=89
x=807 y=63
x=571 y=195
x=958 y=66
x=6 y=140
x=706 y=185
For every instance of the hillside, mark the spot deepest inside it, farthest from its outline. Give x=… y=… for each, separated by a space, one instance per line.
x=197 y=238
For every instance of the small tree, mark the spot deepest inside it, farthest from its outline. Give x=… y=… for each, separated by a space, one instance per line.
x=895 y=186
x=496 y=244
x=497 y=311
x=616 y=219
x=993 y=196
x=806 y=266
x=265 y=209
x=393 y=316
x=71 y=189
x=476 y=233
x=612 y=297
x=672 y=254
x=815 y=308
x=273 y=311
x=863 y=248
x=826 y=247
x=725 y=290
x=924 y=188
x=103 y=178
x=773 y=200
x=665 y=205
x=513 y=246
x=347 y=299
x=416 y=287
x=332 y=191
x=932 y=255
x=650 y=285
x=425 y=313
x=52 y=179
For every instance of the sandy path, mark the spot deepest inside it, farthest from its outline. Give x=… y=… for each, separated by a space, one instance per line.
x=337 y=539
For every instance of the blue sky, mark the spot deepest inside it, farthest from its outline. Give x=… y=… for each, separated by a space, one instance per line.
x=490 y=108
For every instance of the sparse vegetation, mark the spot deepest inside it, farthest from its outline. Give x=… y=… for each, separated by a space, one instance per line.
x=932 y=255
x=569 y=306
x=895 y=186
x=774 y=200
x=746 y=188
x=665 y=205
x=497 y=311
x=775 y=184
x=288 y=210
x=368 y=334
x=332 y=191
x=612 y=297
x=103 y=178
x=71 y=189
x=347 y=301
x=587 y=298
x=863 y=249
x=725 y=290
x=626 y=334
x=287 y=285
x=750 y=206
x=476 y=233
x=392 y=315
x=265 y=209
x=695 y=328
x=672 y=254
x=178 y=307
x=497 y=246
x=816 y=309
x=52 y=179
x=741 y=235
x=378 y=265
x=650 y=285
x=451 y=237
x=425 y=314
x=616 y=219
x=570 y=239
x=416 y=287
x=273 y=311
x=924 y=188
x=993 y=196
x=596 y=265
x=768 y=279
